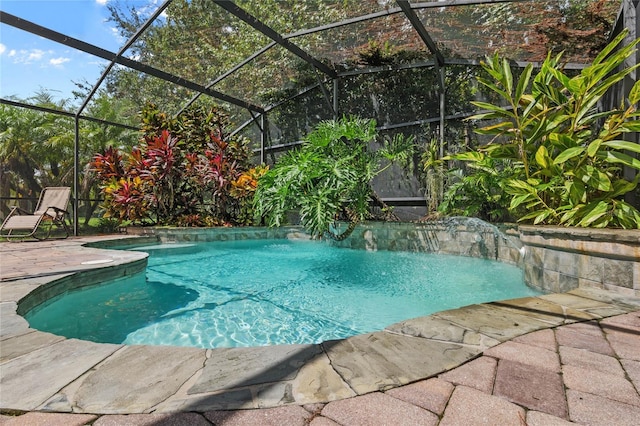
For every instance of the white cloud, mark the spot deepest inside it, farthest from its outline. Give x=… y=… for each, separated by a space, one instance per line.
x=24 y=56
x=35 y=55
x=57 y=62
x=2 y=48
x=102 y=2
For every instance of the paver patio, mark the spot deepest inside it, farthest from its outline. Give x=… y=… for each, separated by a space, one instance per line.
x=574 y=358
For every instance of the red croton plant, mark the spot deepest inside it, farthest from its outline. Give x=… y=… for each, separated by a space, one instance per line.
x=186 y=172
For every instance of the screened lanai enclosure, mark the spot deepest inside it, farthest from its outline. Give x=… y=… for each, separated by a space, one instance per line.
x=278 y=68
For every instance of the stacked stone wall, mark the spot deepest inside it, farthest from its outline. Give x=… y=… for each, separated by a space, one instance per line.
x=562 y=259
x=553 y=259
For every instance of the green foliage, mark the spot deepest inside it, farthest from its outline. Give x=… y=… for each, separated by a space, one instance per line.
x=479 y=192
x=108 y=225
x=25 y=146
x=329 y=176
x=566 y=156
x=37 y=148
x=199 y=41
x=186 y=172
x=393 y=95
x=434 y=174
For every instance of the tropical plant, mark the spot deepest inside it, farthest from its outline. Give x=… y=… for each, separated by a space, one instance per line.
x=243 y=190
x=36 y=148
x=96 y=137
x=329 y=176
x=434 y=175
x=566 y=156
x=183 y=172
x=478 y=192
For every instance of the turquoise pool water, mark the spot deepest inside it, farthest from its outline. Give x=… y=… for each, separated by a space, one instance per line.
x=266 y=292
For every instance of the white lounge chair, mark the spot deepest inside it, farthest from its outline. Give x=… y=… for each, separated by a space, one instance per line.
x=51 y=208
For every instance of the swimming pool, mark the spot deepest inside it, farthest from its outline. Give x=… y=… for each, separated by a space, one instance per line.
x=266 y=292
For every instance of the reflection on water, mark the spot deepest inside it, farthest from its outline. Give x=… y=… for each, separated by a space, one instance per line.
x=109 y=313
x=265 y=292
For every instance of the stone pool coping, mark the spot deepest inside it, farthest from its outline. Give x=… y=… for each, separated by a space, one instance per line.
x=43 y=372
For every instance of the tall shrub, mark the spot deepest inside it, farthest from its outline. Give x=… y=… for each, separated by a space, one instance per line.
x=558 y=157
x=187 y=171
x=329 y=176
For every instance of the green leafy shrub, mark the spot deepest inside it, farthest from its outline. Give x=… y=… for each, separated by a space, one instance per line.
x=108 y=225
x=329 y=176
x=557 y=157
x=478 y=193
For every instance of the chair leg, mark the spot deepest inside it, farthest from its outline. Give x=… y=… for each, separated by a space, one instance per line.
x=10 y=237
x=48 y=232
x=59 y=223
x=66 y=228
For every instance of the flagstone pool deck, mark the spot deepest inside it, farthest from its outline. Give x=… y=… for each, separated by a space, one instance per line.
x=548 y=360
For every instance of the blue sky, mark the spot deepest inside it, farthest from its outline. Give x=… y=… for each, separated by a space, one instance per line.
x=28 y=62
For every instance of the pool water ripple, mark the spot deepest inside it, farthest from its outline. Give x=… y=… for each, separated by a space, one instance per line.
x=265 y=292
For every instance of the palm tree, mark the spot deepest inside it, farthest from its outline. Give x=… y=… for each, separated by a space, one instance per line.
x=22 y=143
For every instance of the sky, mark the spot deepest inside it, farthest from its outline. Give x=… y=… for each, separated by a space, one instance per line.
x=29 y=63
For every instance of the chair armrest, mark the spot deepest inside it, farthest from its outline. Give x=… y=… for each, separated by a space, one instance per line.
x=59 y=212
